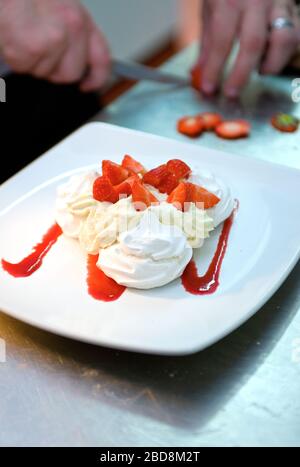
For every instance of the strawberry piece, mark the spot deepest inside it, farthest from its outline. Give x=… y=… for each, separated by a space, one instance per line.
x=155 y=176
x=178 y=168
x=141 y=196
x=132 y=165
x=196 y=77
x=125 y=188
x=168 y=183
x=285 y=122
x=233 y=129
x=190 y=126
x=198 y=194
x=104 y=191
x=178 y=196
x=210 y=120
x=114 y=172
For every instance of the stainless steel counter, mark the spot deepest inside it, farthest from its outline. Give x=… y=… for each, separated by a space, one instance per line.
x=242 y=391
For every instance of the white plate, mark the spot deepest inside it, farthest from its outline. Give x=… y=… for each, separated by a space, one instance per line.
x=263 y=248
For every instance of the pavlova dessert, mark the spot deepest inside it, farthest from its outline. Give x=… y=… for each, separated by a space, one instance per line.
x=142 y=224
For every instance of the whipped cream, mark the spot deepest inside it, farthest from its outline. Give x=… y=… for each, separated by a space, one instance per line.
x=149 y=255
x=222 y=210
x=105 y=222
x=194 y=223
x=74 y=202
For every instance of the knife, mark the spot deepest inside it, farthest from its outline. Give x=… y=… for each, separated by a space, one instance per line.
x=133 y=71
x=137 y=72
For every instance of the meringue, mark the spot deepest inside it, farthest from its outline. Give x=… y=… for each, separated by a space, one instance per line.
x=150 y=255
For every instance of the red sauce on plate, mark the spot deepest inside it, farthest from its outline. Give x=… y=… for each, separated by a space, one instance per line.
x=33 y=262
x=100 y=286
x=208 y=284
x=106 y=289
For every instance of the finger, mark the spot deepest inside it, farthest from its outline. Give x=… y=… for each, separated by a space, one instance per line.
x=282 y=42
x=98 y=61
x=253 y=38
x=45 y=67
x=204 y=48
x=74 y=61
x=220 y=36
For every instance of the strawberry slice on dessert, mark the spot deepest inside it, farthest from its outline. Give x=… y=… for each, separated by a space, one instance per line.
x=187 y=193
x=168 y=183
x=125 y=188
x=103 y=190
x=114 y=172
x=132 y=165
x=190 y=126
x=198 y=194
x=233 y=129
x=210 y=120
x=178 y=196
x=178 y=168
x=155 y=176
x=141 y=196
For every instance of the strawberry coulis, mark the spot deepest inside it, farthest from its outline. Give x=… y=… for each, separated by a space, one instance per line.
x=34 y=261
x=100 y=286
x=209 y=282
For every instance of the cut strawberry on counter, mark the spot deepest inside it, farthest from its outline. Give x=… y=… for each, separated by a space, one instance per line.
x=141 y=196
x=198 y=194
x=196 y=77
x=178 y=168
x=285 y=122
x=210 y=120
x=114 y=172
x=178 y=196
x=233 y=129
x=104 y=191
x=190 y=126
x=155 y=176
x=132 y=165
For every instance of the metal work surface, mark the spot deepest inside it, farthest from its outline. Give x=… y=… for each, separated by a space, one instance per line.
x=242 y=391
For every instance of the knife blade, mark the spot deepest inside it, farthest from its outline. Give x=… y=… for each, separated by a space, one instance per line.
x=137 y=72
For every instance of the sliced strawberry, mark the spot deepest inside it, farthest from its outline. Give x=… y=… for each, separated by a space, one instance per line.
x=233 y=129
x=141 y=196
x=132 y=165
x=178 y=168
x=155 y=176
x=285 y=122
x=114 y=172
x=190 y=126
x=178 y=196
x=104 y=191
x=168 y=183
x=210 y=120
x=125 y=188
x=196 y=77
x=198 y=194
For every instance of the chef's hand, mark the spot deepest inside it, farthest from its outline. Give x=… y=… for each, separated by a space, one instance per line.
x=53 y=39
x=259 y=47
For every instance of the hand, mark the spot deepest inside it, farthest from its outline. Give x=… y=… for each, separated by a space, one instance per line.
x=248 y=21
x=55 y=40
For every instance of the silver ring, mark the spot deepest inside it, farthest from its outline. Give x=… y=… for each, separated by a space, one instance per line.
x=281 y=23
